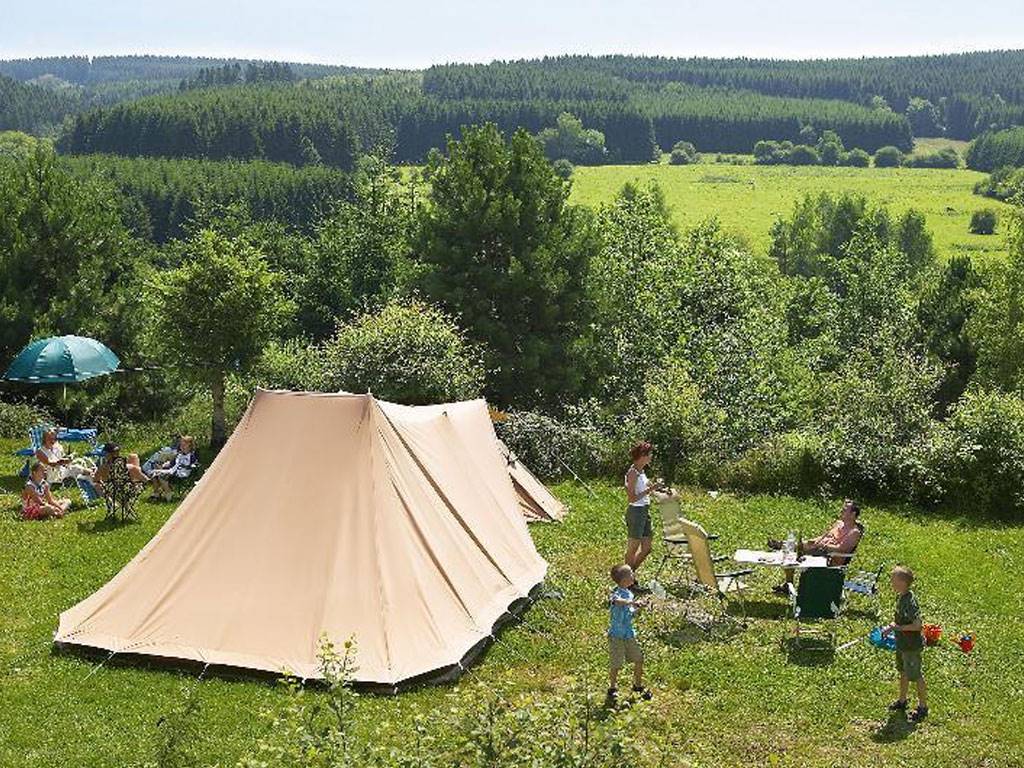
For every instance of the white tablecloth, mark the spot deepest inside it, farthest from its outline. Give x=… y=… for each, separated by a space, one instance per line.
x=776 y=559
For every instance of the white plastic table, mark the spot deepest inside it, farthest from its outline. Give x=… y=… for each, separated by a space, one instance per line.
x=777 y=559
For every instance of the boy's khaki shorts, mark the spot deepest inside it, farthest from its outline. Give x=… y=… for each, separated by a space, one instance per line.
x=909 y=663
x=623 y=649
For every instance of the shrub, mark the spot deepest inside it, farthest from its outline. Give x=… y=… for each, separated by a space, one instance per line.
x=888 y=157
x=17 y=418
x=944 y=158
x=563 y=167
x=855 y=158
x=771 y=152
x=683 y=153
x=977 y=456
x=1005 y=183
x=802 y=154
x=923 y=117
x=547 y=445
x=788 y=463
x=407 y=352
x=983 y=222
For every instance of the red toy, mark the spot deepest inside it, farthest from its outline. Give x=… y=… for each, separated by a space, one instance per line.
x=932 y=634
x=965 y=642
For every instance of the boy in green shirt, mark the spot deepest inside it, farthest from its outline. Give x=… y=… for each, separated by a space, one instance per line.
x=906 y=626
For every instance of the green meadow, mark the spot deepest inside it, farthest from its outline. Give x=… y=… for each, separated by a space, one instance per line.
x=748 y=198
x=734 y=697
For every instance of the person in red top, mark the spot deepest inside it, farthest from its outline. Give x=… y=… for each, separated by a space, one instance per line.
x=837 y=543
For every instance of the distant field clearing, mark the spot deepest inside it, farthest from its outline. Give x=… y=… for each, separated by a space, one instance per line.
x=748 y=198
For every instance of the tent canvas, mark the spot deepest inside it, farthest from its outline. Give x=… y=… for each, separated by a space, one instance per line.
x=535 y=500
x=403 y=532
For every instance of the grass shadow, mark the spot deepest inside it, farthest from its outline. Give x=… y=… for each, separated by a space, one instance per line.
x=103 y=525
x=810 y=652
x=895 y=728
x=762 y=609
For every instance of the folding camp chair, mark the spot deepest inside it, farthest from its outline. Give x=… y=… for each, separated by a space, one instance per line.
x=816 y=600
x=120 y=491
x=721 y=586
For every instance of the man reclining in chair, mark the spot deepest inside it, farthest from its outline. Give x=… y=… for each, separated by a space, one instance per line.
x=837 y=543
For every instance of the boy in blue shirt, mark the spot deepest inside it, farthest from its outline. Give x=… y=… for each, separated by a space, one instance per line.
x=622 y=644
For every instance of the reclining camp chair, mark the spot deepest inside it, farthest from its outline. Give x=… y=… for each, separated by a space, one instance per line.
x=816 y=600
x=721 y=586
x=673 y=539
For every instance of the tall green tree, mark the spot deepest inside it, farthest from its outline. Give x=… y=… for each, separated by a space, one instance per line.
x=504 y=252
x=361 y=253
x=213 y=314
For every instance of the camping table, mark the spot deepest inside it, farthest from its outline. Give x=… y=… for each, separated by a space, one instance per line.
x=776 y=559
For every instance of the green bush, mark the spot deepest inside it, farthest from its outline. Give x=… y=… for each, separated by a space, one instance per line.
x=855 y=158
x=983 y=222
x=547 y=445
x=789 y=463
x=407 y=352
x=977 y=456
x=944 y=158
x=1005 y=183
x=802 y=154
x=17 y=418
x=683 y=153
x=563 y=167
x=888 y=157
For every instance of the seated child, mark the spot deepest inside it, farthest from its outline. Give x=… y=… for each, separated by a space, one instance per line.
x=907 y=625
x=622 y=643
x=37 y=500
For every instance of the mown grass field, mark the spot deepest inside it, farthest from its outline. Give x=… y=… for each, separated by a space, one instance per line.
x=728 y=700
x=748 y=198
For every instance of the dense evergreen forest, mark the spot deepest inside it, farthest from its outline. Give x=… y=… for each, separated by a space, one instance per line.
x=161 y=196
x=310 y=113
x=31 y=108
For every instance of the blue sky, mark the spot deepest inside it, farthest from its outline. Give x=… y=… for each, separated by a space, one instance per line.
x=407 y=33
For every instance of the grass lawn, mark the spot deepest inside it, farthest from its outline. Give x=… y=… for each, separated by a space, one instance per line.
x=731 y=699
x=748 y=198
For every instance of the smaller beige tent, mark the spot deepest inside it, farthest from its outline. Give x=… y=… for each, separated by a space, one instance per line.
x=339 y=514
x=535 y=500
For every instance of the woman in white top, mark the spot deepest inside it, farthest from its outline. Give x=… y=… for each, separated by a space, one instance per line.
x=638 y=513
x=58 y=465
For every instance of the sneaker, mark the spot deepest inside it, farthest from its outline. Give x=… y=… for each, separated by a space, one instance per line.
x=611 y=699
x=638 y=589
x=643 y=693
x=919 y=714
x=900 y=705
x=781 y=589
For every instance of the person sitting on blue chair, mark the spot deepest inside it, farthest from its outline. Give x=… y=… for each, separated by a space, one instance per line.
x=169 y=463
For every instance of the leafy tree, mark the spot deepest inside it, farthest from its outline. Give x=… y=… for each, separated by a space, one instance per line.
x=997 y=325
x=212 y=315
x=830 y=148
x=63 y=252
x=407 y=352
x=569 y=140
x=802 y=154
x=629 y=276
x=888 y=157
x=945 y=308
x=924 y=117
x=505 y=254
x=360 y=255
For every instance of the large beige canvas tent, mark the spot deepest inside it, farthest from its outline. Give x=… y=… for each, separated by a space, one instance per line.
x=328 y=513
x=535 y=500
